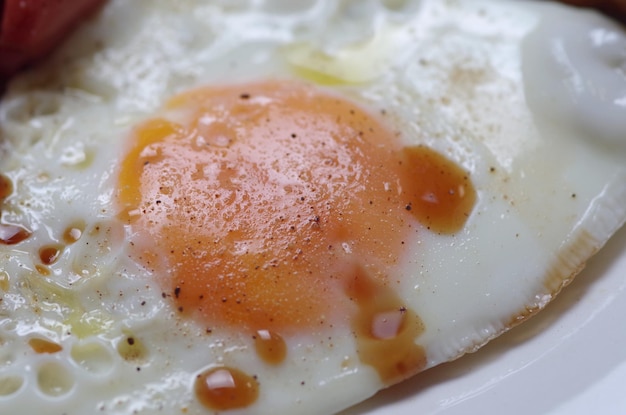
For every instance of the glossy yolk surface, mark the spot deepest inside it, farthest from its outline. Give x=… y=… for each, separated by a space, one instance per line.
x=259 y=201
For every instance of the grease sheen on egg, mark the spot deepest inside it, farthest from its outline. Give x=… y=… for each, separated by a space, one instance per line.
x=265 y=207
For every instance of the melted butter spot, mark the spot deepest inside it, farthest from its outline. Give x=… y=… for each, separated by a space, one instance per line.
x=88 y=324
x=81 y=324
x=318 y=77
x=355 y=63
x=92 y=357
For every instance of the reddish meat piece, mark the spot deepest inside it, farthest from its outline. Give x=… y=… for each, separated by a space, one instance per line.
x=613 y=8
x=29 y=29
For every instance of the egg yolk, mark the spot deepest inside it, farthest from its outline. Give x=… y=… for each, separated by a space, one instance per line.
x=258 y=202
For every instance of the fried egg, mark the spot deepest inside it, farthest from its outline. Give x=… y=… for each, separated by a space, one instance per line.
x=261 y=207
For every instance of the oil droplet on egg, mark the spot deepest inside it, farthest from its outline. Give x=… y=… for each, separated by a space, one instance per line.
x=266 y=197
x=385 y=329
x=44 y=346
x=224 y=388
x=49 y=254
x=73 y=232
x=12 y=234
x=42 y=270
x=440 y=194
x=6 y=187
x=270 y=346
x=4 y=284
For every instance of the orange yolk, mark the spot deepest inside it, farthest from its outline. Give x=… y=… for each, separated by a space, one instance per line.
x=258 y=202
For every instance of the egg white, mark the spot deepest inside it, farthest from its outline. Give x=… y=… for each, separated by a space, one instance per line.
x=457 y=76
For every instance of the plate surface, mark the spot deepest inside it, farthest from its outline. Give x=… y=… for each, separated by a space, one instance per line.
x=570 y=359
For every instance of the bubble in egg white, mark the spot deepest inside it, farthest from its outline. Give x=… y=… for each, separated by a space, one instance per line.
x=132 y=349
x=54 y=379
x=94 y=357
x=10 y=384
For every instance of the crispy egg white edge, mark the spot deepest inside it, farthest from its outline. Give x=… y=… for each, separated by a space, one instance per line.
x=586 y=178
x=440 y=130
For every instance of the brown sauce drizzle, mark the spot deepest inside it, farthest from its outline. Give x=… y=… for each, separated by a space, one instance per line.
x=385 y=330
x=73 y=232
x=439 y=193
x=12 y=234
x=223 y=388
x=44 y=346
x=395 y=184
x=270 y=346
x=42 y=270
x=4 y=283
x=6 y=187
x=328 y=182
x=49 y=254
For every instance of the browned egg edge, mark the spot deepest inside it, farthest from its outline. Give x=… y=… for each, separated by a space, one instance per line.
x=569 y=262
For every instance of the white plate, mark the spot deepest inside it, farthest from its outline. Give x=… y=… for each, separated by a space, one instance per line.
x=570 y=359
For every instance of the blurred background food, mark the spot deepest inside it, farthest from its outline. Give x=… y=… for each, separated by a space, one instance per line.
x=614 y=8
x=29 y=29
